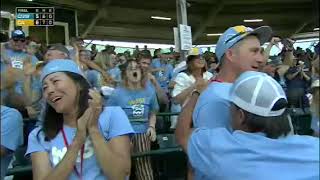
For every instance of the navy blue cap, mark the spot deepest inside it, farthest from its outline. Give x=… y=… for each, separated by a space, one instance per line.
x=18 y=34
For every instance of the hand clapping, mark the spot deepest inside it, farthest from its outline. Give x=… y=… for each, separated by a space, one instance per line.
x=95 y=106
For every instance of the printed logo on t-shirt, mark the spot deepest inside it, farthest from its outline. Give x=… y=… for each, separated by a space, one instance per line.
x=58 y=154
x=138 y=110
x=17 y=64
x=137 y=106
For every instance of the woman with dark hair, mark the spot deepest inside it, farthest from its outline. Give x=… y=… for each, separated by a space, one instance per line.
x=188 y=80
x=140 y=104
x=78 y=138
x=212 y=64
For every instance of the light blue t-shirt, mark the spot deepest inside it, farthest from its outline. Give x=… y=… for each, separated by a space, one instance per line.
x=163 y=77
x=219 y=154
x=138 y=105
x=36 y=84
x=115 y=73
x=16 y=59
x=150 y=86
x=11 y=135
x=37 y=88
x=94 y=78
x=213 y=107
x=113 y=122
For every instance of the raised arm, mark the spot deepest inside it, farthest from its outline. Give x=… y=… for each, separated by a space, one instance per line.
x=186 y=93
x=181 y=97
x=184 y=125
x=290 y=76
x=274 y=41
x=108 y=79
x=163 y=99
x=183 y=128
x=108 y=152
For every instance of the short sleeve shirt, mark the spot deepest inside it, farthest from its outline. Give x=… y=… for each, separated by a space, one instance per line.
x=16 y=60
x=11 y=135
x=138 y=105
x=213 y=107
x=219 y=154
x=112 y=123
x=165 y=76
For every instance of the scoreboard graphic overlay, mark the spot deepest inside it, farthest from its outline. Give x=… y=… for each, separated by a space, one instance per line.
x=34 y=16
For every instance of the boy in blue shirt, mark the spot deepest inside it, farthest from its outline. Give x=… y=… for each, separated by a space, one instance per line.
x=163 y=71
x=144 y=60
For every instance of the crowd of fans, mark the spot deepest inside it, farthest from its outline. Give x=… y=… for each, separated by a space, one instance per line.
x=62 y=102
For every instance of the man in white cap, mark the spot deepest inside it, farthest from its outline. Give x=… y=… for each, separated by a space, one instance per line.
x=238 y=50
x=259 y=146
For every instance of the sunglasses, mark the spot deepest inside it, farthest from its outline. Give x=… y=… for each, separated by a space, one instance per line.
x=18 y=39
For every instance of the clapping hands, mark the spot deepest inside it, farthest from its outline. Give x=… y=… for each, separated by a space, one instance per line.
x=89 y=120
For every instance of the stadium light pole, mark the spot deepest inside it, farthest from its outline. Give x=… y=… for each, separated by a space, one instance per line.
x=181 y=6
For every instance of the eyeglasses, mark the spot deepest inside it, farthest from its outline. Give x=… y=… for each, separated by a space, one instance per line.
x=18 y=39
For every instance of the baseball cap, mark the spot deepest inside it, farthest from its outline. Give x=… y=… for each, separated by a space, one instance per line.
x=18 y=34
x=59 y=47
x=164 y=51
x=195 y=51
x=61 y=65
x=258 y=93
x=234 y=34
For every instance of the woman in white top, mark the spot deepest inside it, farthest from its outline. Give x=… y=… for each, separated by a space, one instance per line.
x=186 y=81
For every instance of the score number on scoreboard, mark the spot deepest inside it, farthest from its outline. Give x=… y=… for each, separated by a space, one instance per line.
x=34 y=16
